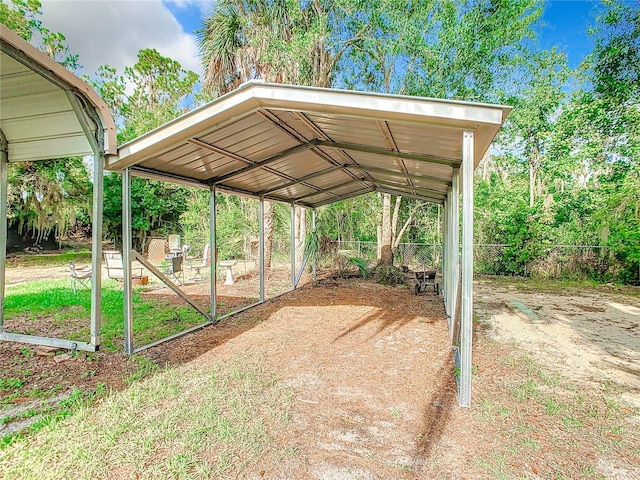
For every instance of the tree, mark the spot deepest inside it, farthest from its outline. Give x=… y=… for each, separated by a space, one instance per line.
x=446 y=49
x=272 y=40
x=160 y=86
x=46 y=196
x=22 y=17
x=530 y=126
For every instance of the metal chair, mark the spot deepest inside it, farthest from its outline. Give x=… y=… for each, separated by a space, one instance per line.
x=79 y=275
x=115 y=269
x=175 y=269
x=206 y=262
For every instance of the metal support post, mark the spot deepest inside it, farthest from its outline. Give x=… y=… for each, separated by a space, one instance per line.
x=4 y=160
x=293 y=247
x=466 y=327
x=96 y=249
x=126 y=261
x=313 y=228
x=261 y=247
x=446 y=277
x=212 y=251
x=442 y=234
x=455 y=240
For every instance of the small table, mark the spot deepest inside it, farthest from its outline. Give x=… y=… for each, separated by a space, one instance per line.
x=228 y=264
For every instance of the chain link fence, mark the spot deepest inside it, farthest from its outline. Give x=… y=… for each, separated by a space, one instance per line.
x=595 y=262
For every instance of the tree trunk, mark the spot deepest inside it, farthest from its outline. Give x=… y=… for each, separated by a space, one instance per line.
x=384 y=240
x=394 y=221
x=268 y=233
x=300 y=234
x=534 y=164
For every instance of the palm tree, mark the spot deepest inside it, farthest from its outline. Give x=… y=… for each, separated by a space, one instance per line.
x=273 y=40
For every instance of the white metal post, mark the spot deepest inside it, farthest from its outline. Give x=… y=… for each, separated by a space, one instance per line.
x=261 y=247
x=466 y=327
x=96 y=249
x=313 y=228
x=212 y=251
x=293 y=247
x=446 y=280
x=4 y=160
x=126 y=261
x=455 y=240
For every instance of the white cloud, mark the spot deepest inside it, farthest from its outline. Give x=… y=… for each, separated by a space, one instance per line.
x=112 y=32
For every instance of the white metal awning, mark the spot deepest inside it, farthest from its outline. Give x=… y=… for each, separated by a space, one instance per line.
x=314 y=146
x=45 y=111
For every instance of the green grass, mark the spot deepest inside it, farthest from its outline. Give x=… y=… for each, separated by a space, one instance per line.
x=54 y=301
x=212 y=422
x=544 y=411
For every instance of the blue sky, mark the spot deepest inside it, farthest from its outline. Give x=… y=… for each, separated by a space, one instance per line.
x=566 y=23
x=122 y=27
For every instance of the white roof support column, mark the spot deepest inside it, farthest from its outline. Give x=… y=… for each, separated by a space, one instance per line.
x=96 y=248
x=466 y=327
x=446 y=246
x=293 y=246
x=4 y=161
x=454 y=205
x=261 y=246
x=126 y=261
x=212 y=252
x=313 y=228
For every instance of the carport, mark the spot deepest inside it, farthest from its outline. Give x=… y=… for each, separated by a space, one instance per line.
x=310 y=147
x=46 y=112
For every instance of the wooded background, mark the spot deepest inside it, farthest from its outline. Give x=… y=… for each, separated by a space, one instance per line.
x=563 y=171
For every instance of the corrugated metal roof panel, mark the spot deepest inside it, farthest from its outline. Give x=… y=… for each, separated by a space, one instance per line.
x=299 y=144
x=44 y=107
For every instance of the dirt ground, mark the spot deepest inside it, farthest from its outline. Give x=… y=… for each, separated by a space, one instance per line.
x=375 y=396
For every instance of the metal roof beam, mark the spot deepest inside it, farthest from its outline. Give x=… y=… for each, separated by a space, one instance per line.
x=263 y=163
x=350 y=182
x=302 y=179
x=166 y=177
x=399 y=193
x=388 y=153
x=395 y=173
x=411 y=188
x=285 y=127
x=35 y=66
x=207 y=146
x=383 y=126
x=346 y=196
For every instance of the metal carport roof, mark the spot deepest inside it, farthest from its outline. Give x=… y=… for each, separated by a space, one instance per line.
x=46 y=111
x=314 y=146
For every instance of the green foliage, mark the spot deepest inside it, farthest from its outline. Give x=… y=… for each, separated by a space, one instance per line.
x=278 y=41
x=155 y=208
x=361 y=265
x=442 y=49
x=155 y=318
x=21 y=16
x=312 y=245
x=48 y=196
x=160 y=86
x=390 y=275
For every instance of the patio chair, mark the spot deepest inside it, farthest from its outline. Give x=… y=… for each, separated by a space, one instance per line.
x=204 y=263
x=79 y=276
x=115 y=269
x=176 y=270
